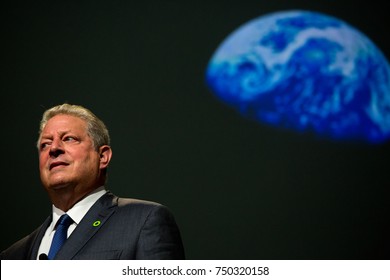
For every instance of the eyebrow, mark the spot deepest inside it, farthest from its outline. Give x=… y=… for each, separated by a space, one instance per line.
x=48 y=136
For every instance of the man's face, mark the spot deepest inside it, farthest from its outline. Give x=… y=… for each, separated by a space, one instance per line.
x=67 y=157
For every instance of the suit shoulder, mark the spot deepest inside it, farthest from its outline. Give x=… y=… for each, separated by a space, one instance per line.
x=19 y=250
x=142 y=206
x=132 y=202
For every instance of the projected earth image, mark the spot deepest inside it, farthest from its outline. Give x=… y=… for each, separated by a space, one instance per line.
x=307 y=72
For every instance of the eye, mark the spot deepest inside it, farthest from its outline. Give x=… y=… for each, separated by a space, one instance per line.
x=69 y=139
x=44 y=145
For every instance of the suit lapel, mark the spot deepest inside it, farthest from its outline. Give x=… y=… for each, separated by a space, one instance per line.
x=89 y=226
x=40 y=232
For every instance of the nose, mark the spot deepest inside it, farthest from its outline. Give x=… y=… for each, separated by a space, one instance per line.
x=56 y=148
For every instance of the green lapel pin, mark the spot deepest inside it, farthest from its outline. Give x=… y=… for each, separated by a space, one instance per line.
x=96 y=223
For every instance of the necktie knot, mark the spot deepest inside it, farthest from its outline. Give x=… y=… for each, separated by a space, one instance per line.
x=65 y=221
x=60 y=235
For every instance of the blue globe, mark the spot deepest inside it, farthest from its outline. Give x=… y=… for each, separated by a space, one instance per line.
x=305 y=71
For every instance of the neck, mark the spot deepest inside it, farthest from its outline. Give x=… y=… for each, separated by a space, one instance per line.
x=66 y=198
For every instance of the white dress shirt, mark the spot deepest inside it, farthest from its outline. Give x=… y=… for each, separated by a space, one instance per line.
x=77 y=212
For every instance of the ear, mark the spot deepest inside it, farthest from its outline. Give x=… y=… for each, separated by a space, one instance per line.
x=105 y=154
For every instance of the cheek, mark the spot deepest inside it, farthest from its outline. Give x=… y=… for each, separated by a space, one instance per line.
x=42 y=161
x=88 y=161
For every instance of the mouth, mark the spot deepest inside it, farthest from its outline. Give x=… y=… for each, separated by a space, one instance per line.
x=57 y=164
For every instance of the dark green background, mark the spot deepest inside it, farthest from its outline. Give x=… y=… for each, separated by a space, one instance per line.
x=238 y=189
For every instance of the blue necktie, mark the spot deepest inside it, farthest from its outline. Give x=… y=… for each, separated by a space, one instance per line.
x=60 y=236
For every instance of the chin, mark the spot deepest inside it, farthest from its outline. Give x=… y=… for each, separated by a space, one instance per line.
x=58 y=185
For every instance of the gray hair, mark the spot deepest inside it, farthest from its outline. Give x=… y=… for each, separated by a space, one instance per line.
x=96 y=129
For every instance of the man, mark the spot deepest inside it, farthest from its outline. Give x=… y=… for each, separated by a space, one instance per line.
x=74 y=154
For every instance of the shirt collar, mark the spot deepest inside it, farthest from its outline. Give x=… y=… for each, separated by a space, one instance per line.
x=78 y=211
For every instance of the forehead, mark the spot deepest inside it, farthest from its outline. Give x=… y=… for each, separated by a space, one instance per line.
x=63 y=123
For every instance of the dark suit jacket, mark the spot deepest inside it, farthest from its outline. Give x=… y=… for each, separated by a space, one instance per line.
x=114 y=228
